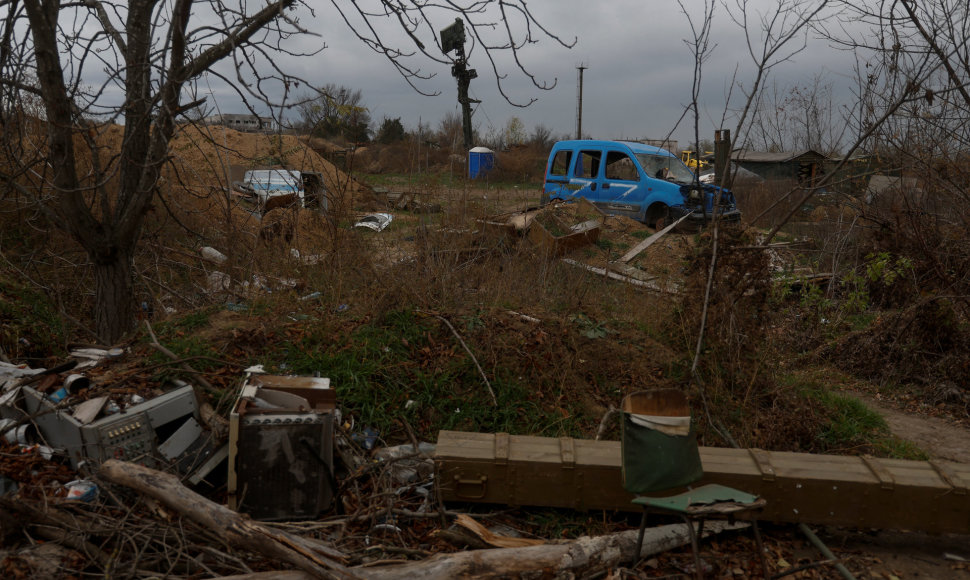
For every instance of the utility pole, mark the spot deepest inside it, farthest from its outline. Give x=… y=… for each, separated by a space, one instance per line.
x=453 y=38
x=722 y=158
x=579 y=101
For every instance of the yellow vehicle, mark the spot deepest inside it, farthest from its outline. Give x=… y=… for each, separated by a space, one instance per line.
x=690 y=160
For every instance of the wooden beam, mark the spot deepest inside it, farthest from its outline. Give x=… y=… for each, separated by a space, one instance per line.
x=646 y=243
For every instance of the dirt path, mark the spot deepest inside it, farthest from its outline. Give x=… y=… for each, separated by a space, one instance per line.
x=938 y=437
x=905 y=555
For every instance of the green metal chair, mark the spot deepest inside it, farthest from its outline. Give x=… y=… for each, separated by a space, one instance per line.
x=660 y=457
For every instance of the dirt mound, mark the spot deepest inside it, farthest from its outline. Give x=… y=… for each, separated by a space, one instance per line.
x=303 y=229
x=206 y=152
x=926 y=344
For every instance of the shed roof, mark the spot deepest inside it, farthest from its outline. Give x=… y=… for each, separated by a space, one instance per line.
x=773 y=157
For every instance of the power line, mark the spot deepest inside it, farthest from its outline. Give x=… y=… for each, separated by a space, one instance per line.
x=579 y=100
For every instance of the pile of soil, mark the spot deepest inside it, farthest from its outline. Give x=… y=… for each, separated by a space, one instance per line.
x=202 y=156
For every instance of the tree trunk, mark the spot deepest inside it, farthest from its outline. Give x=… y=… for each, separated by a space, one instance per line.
x=113 y=294
x=577 y=557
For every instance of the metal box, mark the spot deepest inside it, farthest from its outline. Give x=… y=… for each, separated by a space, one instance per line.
x=281 y=448
x=131 y=435
x=856 y=491
x=522 y=470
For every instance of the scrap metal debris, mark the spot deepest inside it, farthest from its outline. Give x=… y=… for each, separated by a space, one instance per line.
x=375 y=221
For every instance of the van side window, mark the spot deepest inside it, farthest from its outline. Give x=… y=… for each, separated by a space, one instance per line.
x=588 y=164
x=560 y=163
x=620 y=166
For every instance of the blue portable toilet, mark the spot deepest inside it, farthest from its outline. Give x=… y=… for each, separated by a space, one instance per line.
x=480 y=161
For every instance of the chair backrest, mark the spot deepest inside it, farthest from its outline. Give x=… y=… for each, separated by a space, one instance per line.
x=658 y=442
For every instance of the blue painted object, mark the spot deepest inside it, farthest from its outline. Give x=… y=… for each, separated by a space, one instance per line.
x=643 y=182
x=481 y=160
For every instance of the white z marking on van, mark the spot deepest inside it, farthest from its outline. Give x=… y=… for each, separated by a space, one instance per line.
x=629 y=188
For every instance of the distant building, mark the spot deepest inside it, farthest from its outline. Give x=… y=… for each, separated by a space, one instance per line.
x=804 y=167
x=248 y=123
x=668 y=144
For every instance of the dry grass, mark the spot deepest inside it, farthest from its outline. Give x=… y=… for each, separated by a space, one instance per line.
x=596 y=339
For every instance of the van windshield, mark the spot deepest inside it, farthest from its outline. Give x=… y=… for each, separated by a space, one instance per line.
x=273 y=179
x=665 y=167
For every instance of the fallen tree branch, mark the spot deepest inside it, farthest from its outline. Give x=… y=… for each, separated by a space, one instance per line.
x=488 y=385
x=216 y=423
x=160 y=348
x=311 y=556
x=575 y=556
x=605 y=421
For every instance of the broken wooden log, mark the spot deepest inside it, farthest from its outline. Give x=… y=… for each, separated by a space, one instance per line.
x=309 y=555
x=586 y=553
x=649 y=285
x=635 y=251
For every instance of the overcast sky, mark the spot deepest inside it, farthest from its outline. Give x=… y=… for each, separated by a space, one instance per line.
x=636 y=86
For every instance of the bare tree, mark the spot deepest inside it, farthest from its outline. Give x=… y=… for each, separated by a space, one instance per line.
x=773 y=37
x=450 y=130
x=98 y=63
x=541 y=136
x=800 y=116
x=335 y=111
x=914 y=77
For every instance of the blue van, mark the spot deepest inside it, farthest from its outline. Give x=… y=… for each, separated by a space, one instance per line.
x=646 y=183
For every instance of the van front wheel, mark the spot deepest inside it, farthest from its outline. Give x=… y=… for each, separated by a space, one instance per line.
x=658 y=216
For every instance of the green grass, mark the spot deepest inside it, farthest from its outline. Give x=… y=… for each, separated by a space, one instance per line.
x=850 y=425
x=449 y=179
x=30 y=325
x=408 y=365
x=850 y=420
x=897 y=448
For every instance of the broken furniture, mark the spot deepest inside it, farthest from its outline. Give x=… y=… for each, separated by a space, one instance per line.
x=562 y=227
x=281 y=432
x=161 y=431
x=660 y=456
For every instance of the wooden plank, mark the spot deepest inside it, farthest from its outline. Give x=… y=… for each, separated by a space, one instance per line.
x=799 y=487
x=648 y=284
x=631 y=272
x=648 y=241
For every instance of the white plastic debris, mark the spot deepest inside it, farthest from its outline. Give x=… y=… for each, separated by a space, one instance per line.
x=213 y=255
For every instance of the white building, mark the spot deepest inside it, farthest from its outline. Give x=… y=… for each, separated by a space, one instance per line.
x=250 y=123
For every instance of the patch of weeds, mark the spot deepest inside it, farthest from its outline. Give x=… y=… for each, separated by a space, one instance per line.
x=861 y=321
x=605 y=244
x=473 y=323
x=850 y=421
x=898 y=448
x=560 y=524
x=205 y=356
x=641 y=234
x=30 y=326
x=411 y=366
x=191 y=320
x=588 y=327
